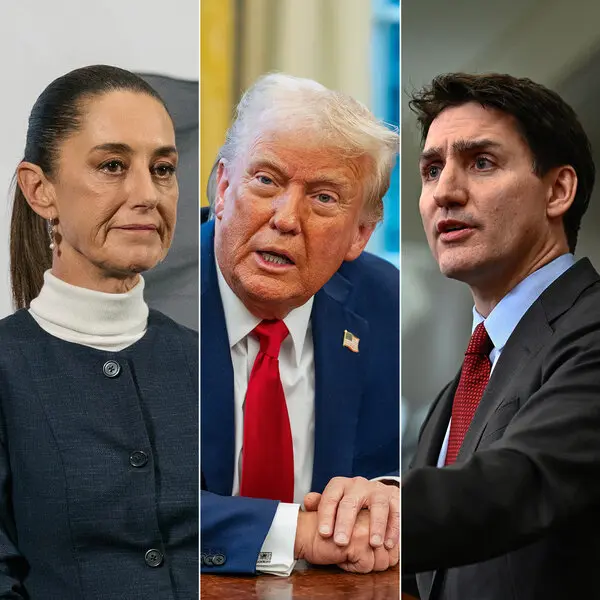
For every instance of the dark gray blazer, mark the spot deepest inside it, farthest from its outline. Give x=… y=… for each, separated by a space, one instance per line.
x=518 y=516
x=98 y=465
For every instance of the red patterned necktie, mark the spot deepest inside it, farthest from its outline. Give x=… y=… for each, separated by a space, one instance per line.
x=267 y=453
x=473 y=380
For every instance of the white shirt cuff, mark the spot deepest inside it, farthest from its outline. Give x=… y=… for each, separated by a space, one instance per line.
x=276 y=556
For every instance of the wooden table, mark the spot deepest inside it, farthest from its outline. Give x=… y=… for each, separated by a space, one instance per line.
x=308 y=582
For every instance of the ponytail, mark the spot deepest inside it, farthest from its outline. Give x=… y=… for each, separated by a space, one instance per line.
x=30 y=253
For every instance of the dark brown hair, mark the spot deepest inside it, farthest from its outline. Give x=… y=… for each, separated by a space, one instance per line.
x=547 y=123
x=56 y=114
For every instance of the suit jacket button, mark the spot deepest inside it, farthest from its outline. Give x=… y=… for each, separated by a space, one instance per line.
x=218 y=560
x=154 y=558
x=111 y=368
x=138 y=459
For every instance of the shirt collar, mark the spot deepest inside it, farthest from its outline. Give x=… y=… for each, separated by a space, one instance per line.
x=506 y=315
x=240 y=321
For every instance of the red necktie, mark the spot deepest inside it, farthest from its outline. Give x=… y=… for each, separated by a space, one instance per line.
x=473 y=379
x=267 y=454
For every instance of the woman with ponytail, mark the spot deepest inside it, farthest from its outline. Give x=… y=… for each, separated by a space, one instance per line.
x=98 y=394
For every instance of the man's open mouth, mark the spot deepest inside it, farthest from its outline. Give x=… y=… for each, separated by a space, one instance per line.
x=275 y=258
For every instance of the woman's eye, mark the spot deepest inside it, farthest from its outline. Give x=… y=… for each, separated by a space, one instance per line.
x=113 y=166
x=164 y=171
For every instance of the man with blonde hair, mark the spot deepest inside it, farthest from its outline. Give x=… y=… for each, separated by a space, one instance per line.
x=300 y=373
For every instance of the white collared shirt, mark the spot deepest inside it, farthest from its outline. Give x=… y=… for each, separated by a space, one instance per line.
x=297 y=372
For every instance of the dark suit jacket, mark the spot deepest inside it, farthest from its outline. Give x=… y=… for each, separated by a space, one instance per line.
x=356 y=399
x=517 y=516
x=96 y=470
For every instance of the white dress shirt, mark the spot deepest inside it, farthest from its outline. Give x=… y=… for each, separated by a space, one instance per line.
x=297 y=372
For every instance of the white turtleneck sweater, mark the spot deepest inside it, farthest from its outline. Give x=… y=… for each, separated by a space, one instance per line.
x=90 y=318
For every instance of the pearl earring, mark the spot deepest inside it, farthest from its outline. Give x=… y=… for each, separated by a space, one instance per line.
x=52 y=233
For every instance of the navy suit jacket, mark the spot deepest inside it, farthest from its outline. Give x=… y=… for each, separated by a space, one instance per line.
x=356 y=400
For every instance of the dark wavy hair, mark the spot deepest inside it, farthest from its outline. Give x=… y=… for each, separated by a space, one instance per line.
x=547 y=123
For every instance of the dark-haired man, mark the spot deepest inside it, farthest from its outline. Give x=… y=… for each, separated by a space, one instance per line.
x=501 y=501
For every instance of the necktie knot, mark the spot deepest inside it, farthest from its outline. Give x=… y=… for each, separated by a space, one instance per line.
x=480 y=342
x=271 y=334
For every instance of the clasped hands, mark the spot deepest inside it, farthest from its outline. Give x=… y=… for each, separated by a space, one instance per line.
x=354 y=524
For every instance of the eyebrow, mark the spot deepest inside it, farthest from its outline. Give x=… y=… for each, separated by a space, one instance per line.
x=342 y=184
x=460 y=147
x=127 y=149
x=265 y=163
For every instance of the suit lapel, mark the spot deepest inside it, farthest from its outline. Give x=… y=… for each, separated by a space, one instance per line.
x=216 y=372
x=338 y=381
x=527 y=339
x=531 y=334
x=435 y=427
x=428 y=451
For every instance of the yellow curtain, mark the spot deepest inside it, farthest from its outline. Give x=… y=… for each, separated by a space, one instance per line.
x=216 y=80
x=326 y=40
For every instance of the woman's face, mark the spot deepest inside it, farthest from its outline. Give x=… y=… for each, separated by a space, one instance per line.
x=115 y=191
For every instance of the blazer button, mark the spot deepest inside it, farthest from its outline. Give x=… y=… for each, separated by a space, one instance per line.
x=218 y=560
x=111 y=368
x=212 y=560
x=138 y=459
x=154 y=558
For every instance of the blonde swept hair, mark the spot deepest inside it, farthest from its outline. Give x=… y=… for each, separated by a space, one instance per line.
x=278 y=101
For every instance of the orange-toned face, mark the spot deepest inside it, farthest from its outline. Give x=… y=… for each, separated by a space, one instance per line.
x=288 y=214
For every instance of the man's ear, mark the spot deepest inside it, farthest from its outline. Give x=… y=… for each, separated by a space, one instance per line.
x=37 y=189
x=561 y=191
x=361 y=238
x=222 y=186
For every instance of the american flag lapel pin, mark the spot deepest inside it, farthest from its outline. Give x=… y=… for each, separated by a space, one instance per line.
x=350 y=341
